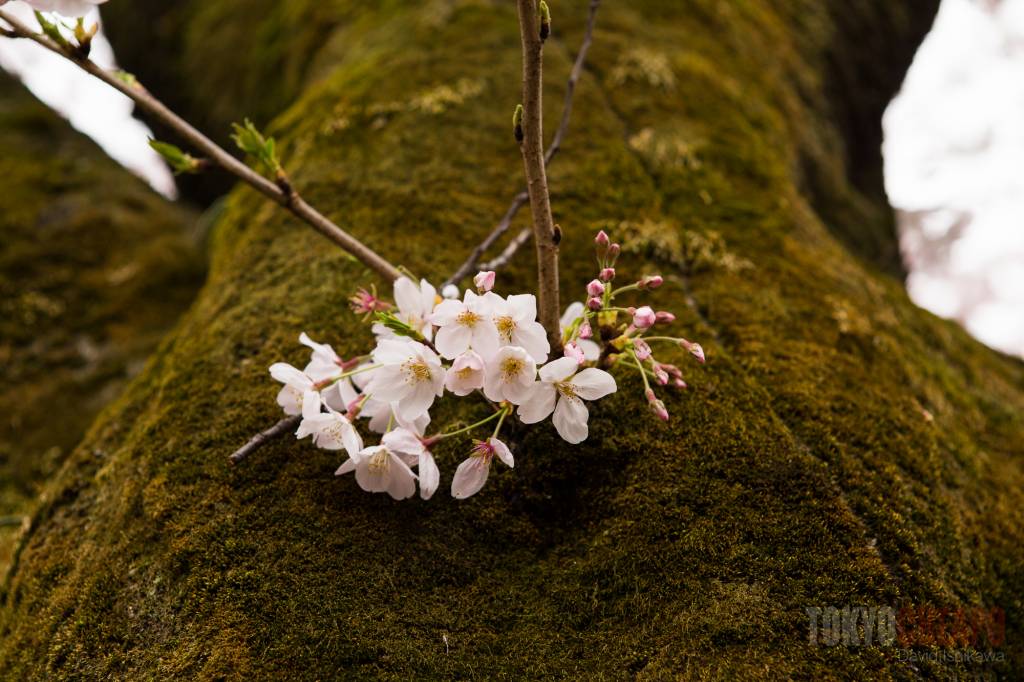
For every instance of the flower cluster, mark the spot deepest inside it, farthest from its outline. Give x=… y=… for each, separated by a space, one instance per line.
x=480 y=344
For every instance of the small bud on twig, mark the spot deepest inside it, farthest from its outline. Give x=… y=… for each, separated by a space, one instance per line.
x=179 y=161
x=545 y=21
x=517 y=123
x=644 y=317
x=695 y=349
x=607 y=274
x=484 y=281
x=650 y=282
x=664 y=317
x=595 y=288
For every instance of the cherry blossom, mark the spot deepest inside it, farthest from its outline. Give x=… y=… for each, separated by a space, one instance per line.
x=380 y=470
x=472 y=473
x=409 y=375
x=515 y=318
x=465 y=324
x=408 y=445
x=510 y=375
x=484 y=280
x=466 y=374
x=324 y=365
x=330 y=430
x=296 y=384
x=562 y=390
x=415 y=304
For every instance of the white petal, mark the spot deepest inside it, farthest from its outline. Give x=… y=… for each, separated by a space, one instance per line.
x=352 y=441
x=310 y=404
x=286 y=374
x=485 y=338
x=402 y=484
x=446 y=312
x=532 y=337
x=403 y=442
x=290 y=400
x=348 y=466
x=416 y=402
x=591 y=351
x=593 y=384
x=558 y=370
x=570 y=419
x=428 y=296
x=502 y=451
x=452 y=340
x=407 y=296
x=539 y=404
x=524 y=307
x=571 y=314
x=393 y=351
x=470 y=477
x=388 y=384
x=430 y=475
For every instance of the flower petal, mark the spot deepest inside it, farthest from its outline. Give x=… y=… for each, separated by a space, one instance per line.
x=539 y=405
x=403 y=442
x=402 y=483
x=532 y=337
x=570 y=419
x=470 y=477
x=502 y=451
x=593 y=384
x=286 y=374
x=452 y=340
x=430 y=475
x=558 y=370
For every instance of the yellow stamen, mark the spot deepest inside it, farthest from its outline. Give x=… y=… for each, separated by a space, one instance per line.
x=416 y=371
x=511 y=367
x=506 y=325
x=468 y=318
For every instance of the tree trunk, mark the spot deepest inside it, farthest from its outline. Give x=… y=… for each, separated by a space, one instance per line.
x=94 y=269
x=841 y=447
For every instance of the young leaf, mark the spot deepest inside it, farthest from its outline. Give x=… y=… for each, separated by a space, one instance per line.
x=178 y=160
x=251 y=141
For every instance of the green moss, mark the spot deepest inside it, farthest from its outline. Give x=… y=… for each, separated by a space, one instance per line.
x=840 y=447
x=93 y=270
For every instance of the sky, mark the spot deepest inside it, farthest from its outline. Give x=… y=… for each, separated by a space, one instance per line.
x=954 y=142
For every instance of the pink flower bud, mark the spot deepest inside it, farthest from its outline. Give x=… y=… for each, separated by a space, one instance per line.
x=607 y=274
x=642 y=350
x=602 y=239
x=680 y=383
x=595 y=303
x=572 y=350
x=694 y=348
x=595 y=288
x=365 y=303
x=484 y=280
x=585 y=331
x=665 y=317
x=660 y=375
x=644 y=318
x=650 y=281
x=613 y=253
x=656 y=405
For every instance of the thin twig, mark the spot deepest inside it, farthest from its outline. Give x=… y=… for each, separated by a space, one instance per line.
x=279 y=429
x=286 y=196
x=473 y=261
x=545 y=233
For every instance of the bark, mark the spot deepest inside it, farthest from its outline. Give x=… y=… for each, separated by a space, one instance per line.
x=841 y=447
x=94 y=269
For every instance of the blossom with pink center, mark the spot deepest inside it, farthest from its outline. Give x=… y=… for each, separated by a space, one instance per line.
x=330 y=430
x=296 y=384
x=509 y=375
x=409 y=375
x=472 y=473
x=382 y=468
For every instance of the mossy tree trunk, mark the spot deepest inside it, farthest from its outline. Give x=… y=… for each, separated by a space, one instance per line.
x=94 y=269
x=841 y=447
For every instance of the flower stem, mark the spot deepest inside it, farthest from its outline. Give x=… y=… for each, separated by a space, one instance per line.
x=500 y=413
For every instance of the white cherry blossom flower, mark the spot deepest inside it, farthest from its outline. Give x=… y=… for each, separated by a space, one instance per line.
x=463 y=325
x=562 y=390
x=466 y=374
x=296 y=384
x=325 y=364
x=510 y=375
x=407 y=445
x=414 y=306
x=472 y=473
x=515 y=318
x=410 y=376
x=330 y=430
x=591 y=351
x=380 y=470
x=68 y=8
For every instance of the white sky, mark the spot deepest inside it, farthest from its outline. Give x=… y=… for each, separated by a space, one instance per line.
x=953 y=152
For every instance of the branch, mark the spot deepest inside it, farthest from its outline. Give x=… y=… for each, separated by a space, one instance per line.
x=545 y=234
x=256 y=442
x=523 y=196
x=285 y=196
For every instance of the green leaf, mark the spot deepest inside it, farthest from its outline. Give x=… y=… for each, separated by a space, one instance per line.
x=250 y=140
x=52 y=31
x=177 y=159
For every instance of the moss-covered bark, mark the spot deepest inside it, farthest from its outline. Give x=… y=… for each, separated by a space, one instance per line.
x=841 y=446
x=94 y=268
